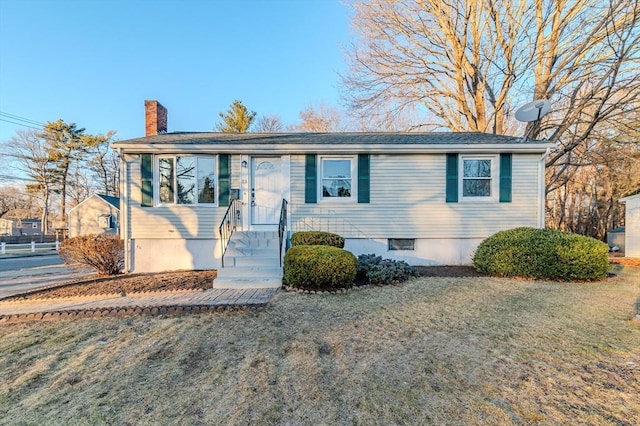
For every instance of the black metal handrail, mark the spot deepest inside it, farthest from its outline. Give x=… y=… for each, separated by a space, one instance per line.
x=282 y=225
x=228 y=225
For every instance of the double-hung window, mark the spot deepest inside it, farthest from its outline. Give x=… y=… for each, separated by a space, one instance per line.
x=337 y=178
x=478 y=177
x=187 y=179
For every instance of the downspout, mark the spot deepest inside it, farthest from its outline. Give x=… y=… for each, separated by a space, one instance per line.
x=124 y=214
x=542 y=190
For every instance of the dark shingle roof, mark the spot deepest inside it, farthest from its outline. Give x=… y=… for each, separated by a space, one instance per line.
x=114 y=201
x=434 y=138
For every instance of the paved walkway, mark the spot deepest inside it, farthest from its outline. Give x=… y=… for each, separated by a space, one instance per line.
x=162 y=303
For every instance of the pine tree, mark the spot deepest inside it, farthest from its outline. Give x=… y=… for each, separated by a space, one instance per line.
x=237 y=119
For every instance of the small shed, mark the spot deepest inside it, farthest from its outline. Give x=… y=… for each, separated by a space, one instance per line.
x=632 y=225
x=97 y=214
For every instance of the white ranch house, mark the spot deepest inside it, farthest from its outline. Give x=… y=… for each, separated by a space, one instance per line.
x=427 y=198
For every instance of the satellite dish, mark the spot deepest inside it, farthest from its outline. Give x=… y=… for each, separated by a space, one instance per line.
x=533 y=111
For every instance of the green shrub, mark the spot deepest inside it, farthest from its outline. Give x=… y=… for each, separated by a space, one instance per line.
x=319 y=268
x=542 y=253
x=374 y=269
x=103 y=252
x=317 y=238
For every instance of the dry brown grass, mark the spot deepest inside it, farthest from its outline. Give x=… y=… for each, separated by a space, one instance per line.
x=433 y=350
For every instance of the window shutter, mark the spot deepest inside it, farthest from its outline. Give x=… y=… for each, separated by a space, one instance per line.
x=505 y=178
x=363 y=178
x=146 y=174
x=224 y=179
x=310 y=179
x=452 y=178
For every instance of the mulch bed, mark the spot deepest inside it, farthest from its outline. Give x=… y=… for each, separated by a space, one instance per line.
x=125 y=284
x=447 y=271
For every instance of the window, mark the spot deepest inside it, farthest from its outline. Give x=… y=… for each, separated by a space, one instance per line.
x=187 y=180
x=401 y=244
x=337 y=177
x=477 y=178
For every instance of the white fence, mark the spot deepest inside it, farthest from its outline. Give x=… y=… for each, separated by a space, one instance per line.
x=32 y=247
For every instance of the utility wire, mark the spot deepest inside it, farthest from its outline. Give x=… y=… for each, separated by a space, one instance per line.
x=20 y=121
x=17 y=117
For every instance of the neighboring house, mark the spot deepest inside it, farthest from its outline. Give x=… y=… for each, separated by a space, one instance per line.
x=97 y=214
x=18 y=227
x=632 y=225
x=427 y=198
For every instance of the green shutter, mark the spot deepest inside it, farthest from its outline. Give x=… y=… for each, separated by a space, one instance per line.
x=363 y=178
x=505 y=178
x=224 y=179
x=452 y=178
x=146 y=185
x=310 y=179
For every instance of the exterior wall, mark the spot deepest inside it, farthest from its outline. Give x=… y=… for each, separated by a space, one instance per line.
x=172 y=237
x=408 y=201
x=83 y=219
x=8 y=227
x=427 y=251
x=632 y=227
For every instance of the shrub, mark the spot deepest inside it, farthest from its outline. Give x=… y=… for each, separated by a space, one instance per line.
x=103 y=252
x=319 y=268
x=374 y=269
x=317 y=238
x=542 y=253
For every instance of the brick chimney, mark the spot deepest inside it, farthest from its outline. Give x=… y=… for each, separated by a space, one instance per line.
x=155 y=118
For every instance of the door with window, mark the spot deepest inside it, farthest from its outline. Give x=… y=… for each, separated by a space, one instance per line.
x=266 y=190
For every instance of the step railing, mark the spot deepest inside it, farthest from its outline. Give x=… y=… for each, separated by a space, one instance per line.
x=282 y=226
x=229 y=223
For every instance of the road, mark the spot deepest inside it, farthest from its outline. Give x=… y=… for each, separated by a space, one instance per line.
x=20 y=274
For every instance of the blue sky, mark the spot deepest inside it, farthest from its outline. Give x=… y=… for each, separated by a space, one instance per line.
x=94 y=63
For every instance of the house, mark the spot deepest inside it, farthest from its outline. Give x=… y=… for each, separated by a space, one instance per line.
x=18 y=227
x=632 y=225
x=426 y=198
x=97 y=214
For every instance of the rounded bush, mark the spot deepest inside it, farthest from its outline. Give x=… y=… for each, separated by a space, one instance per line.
x=542 y=253
x=319 y=268
x=317 y=238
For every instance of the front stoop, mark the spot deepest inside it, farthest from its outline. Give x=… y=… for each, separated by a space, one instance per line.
x=251 y=261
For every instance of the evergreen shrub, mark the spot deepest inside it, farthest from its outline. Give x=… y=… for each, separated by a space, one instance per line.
x=374 y=269
x=317 y=238
x=319 y=268
x=542 y=254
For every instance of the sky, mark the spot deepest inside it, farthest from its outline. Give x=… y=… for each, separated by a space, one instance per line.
x=95 y=62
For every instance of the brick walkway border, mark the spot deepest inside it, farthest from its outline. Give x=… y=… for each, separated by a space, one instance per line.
x=155 y=304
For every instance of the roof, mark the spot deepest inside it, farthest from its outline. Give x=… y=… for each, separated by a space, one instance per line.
x=307 y=142
x=114 y=201
x=629 y=198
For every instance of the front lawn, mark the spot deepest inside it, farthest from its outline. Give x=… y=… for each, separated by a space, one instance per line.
x=433 y=350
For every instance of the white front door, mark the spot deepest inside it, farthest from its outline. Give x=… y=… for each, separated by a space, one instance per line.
x=266 y=190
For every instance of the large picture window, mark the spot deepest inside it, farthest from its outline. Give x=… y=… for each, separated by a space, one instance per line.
x=337 y=177
x=478 y=177
x=187 y=180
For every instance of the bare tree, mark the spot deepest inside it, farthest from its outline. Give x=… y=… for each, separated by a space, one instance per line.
x=269 y=124
x=320 y=119
x=467 y=64
x=16 y=203
x=105 y=165
x=31 y=154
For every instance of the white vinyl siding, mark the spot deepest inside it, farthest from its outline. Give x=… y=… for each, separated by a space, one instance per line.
x=174 y=221
x=408 y=201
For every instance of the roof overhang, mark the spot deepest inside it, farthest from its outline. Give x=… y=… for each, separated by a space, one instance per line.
x=264 y=149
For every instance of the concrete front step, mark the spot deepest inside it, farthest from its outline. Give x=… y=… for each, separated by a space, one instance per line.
x=249 y=261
